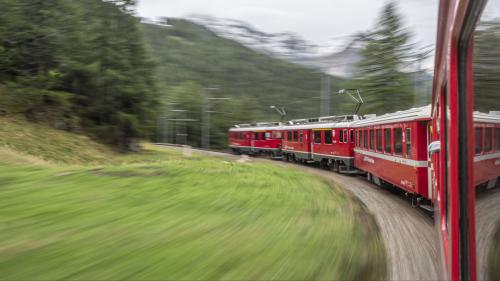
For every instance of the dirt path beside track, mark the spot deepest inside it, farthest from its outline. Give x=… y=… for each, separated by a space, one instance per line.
x=408 y=233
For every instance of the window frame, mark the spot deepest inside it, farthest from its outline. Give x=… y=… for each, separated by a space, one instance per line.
x=379 y=136
x=408 y=143
x=496 y=139
x=487 y=140
x=365 y=139
x=331 y=137
x=372 y=139
x=388 y=144
x=316 y=134
x=478 y=145
x=394 y=149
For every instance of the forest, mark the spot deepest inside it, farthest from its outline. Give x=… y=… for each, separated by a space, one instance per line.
x=93 y=67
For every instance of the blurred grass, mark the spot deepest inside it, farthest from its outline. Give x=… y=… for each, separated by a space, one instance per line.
x=159 y=215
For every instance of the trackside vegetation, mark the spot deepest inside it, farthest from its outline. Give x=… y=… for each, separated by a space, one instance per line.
x=161 y=215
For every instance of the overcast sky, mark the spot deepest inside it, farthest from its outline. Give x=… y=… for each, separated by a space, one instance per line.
x=316 y=20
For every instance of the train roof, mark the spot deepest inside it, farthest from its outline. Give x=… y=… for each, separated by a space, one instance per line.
x=338 y=121
x=261 y=126
x=491 y=117
x=413 y=114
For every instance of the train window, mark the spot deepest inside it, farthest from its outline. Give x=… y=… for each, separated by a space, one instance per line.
x=379 y=140
x=256 y=136
x=278 y=135
x=365 y=139
x=372 y=139
x=301 y=136
x=295 y=135
x=341 y=136
x=268 y=136
x=479 y=140
x=398 y=141
x=317 y=136
x=408 y=142
x=387 y=139
x=346 y=135
x=487 y=139
x=289 y=136
x=328 y=137
x=360 y=138
x=351 y=136
x=497 y=139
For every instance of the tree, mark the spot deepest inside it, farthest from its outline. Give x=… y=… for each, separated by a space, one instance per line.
x=86 y=57
x=386 y=87
x=487 y=66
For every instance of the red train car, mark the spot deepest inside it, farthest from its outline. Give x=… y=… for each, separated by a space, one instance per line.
x=392 y=148
x=487 y=149
x=260 y=138
x=326 y=140
x=296 y=143
x=459 y=161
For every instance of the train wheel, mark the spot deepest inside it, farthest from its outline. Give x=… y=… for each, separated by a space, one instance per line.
x=335 y=166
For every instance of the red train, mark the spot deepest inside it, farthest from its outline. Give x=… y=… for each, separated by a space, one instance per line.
x=391 y=149
x=443 y=154
x=260 y=138
x=326 y=140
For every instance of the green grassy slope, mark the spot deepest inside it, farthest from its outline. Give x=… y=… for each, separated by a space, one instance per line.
x=162 y=215
x=23 y=141
x=189 y=52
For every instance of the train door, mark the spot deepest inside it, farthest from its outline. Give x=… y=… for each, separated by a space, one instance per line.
x=429 y=161
x=466 y=81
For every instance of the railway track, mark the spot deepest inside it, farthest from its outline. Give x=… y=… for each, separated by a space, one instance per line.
x=408 y=233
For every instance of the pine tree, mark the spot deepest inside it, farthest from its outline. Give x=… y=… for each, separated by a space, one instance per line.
x=78 y=59
x=487 y=66
x=386 y=88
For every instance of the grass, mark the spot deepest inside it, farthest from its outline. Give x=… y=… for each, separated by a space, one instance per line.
x=160 y=215
x=26 y=142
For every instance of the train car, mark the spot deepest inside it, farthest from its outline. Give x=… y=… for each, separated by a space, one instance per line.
x=392 y=149
x=240 y=139
x=297 y=141
x=487 y=149
x=325 y=140
x=459 y=161
x=255 y=139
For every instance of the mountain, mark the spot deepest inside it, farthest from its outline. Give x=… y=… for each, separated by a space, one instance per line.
x=191 y=57
x=337 y=57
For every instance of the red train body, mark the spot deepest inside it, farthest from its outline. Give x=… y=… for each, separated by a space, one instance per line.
x=392 y=148
x=486 y=149
x=262 y=138
x=327 y=140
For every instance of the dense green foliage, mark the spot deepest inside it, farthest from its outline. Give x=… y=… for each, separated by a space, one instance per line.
x=191 y=58
x=385 y=86
x=79 y=64
x=487 y=66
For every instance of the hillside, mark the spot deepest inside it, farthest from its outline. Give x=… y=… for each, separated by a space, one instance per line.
x=23 y=142
x=187 y=52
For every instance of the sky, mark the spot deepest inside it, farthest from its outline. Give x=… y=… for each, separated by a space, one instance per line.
x=318 y=21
